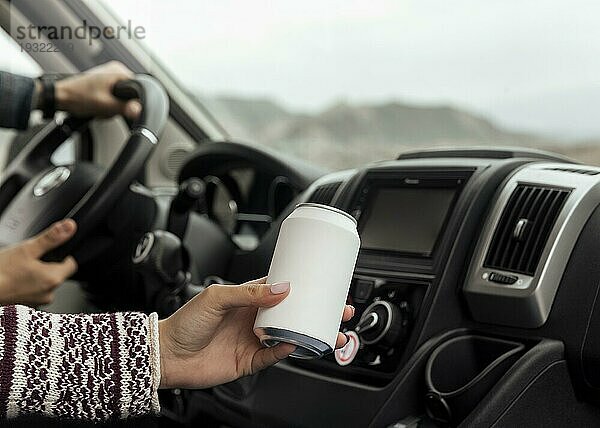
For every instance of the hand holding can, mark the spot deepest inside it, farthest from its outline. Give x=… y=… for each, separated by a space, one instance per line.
x=316 y=252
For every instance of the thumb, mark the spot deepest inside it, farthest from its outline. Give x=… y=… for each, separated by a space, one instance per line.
x=54 y=236
x=132 y=109
x=226 y=297
x=266 y=357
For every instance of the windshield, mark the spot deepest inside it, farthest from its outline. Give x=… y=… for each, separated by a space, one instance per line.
x=342 y=83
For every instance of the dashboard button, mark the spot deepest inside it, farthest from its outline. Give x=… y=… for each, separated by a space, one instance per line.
x=500 y=278
x=363 y=289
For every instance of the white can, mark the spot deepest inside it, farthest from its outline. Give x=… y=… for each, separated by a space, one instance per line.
x=316 y=252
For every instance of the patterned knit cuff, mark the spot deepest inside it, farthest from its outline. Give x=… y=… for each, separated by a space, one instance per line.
x=85 y=366
x=154 y=360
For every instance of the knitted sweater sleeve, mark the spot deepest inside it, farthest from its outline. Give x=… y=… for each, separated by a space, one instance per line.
x=86 y=366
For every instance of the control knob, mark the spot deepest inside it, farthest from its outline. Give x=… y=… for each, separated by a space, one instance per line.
x=383 y=323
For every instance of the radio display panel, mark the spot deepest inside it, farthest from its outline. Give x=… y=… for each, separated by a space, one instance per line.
x=405 y=220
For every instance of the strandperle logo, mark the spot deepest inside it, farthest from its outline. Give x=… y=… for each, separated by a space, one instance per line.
x=33 y=33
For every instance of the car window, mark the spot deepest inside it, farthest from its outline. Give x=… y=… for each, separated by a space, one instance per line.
x=14 y=60
x=340 y=83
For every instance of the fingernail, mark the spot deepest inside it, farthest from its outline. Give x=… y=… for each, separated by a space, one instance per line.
x=59 y=227
x=64 y=226
x=280 y=287
x=135 y=109
x=353 y=309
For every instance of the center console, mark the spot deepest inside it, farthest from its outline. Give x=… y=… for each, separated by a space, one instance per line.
x=403 y=217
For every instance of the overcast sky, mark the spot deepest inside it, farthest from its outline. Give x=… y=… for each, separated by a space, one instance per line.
x=527 y=64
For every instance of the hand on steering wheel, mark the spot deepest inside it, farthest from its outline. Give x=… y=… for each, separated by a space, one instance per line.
x=90 y=94
x=24 y=278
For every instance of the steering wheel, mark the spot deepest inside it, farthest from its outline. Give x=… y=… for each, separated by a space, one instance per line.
x=34 y=193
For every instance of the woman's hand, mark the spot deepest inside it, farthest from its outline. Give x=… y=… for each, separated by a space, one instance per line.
x=210 y=340
x=24 y=278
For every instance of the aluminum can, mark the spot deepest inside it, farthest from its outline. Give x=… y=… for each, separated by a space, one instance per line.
x=316 y=252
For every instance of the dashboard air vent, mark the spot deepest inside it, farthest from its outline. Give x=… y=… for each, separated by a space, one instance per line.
x=576 y=171
x=524 y=228
x=324 y=194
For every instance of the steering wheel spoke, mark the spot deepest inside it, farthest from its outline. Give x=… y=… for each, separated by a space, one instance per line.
x=35 y=156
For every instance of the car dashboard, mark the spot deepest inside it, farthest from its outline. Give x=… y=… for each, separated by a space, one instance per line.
x=481 y=268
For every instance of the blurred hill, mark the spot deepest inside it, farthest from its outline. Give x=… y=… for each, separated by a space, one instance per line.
x=345 y=135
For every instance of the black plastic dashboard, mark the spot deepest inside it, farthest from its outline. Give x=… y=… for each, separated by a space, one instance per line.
x=466 y=341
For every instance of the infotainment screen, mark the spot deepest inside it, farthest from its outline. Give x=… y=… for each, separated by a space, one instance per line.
x=405 y=220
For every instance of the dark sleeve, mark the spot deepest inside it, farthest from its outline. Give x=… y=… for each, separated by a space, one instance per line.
x=16 y=93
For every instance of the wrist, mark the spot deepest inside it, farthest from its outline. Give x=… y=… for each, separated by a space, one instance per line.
x=5 y=292
x=164 y=352
x=63 y=95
